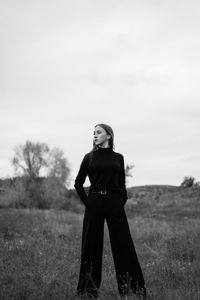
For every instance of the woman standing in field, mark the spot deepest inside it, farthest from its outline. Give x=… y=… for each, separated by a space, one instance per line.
x=106 y=199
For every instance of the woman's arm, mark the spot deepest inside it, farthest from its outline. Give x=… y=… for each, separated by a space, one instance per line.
x=122 y=180
x=80 y=179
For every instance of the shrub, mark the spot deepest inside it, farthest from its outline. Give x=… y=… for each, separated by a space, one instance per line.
x=53 y=193
x=40 y=193
x=14 y=194
x=188 y=181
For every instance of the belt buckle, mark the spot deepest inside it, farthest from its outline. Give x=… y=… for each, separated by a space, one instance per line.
x=102 y=192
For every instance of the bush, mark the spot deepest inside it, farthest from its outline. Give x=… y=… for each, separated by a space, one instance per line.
x=14 y=194
x=41 y=192
x=53 y=193
x=188 y=181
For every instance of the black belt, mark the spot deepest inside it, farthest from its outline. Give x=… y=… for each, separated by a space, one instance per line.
x=104 y=192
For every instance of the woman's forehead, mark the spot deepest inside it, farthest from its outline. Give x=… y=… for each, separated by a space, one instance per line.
x=99 y=128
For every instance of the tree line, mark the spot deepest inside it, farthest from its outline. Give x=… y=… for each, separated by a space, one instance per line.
x=42 y=179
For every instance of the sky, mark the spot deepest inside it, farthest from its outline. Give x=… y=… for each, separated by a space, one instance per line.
x=66 y=66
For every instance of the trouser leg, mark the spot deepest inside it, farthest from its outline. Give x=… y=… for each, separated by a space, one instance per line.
x=92 y=247
x=128 y=270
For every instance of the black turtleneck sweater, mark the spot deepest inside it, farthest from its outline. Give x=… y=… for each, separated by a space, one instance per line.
x=105 y=169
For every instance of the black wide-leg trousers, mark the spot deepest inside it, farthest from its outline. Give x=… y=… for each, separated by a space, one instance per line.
x=109 y=207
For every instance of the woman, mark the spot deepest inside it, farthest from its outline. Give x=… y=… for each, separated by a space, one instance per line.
x=105 y=201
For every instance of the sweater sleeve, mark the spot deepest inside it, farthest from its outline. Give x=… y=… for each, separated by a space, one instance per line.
x=80 y=179
x=122 y=180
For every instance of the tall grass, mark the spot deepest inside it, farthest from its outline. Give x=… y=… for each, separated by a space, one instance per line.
x=40 y=256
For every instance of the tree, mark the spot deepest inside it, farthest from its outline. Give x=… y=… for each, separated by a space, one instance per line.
x=45 y=173
x=30 y=158
x=58 y=165
x=128 y=170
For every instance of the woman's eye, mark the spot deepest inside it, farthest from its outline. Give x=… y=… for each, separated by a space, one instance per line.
x=97 y=132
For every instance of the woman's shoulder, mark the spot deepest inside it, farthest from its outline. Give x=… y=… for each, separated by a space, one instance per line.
x=87 y=156
x=118 y=154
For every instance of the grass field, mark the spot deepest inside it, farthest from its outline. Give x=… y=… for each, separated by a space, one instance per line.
x=40 y=250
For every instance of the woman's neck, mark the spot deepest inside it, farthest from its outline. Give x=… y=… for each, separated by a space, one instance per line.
x=103 y=147
x=105 y=144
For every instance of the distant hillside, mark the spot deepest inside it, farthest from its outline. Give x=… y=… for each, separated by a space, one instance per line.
x=163 y=200
x=157 y=187
x=160 y=193
x=150 y=191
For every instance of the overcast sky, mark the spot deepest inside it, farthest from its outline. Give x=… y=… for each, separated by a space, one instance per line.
x=133 y=64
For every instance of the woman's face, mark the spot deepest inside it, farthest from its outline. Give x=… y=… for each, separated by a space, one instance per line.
x=100 y=136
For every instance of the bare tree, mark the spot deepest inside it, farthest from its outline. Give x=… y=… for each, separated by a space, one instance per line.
x=58 y=165
x=30 y=158
x=128 y=170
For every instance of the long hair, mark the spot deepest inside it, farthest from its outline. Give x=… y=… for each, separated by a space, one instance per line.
x=109 y=131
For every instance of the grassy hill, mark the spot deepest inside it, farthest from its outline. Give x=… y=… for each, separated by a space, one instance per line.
x=40 y=249
x=164 y=200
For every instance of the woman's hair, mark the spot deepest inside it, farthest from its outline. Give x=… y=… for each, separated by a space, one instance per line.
x=109 y=131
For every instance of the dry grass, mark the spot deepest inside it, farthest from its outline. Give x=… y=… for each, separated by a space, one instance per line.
x=40 y=255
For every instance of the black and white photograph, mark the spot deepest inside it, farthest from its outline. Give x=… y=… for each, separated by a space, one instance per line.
x=99 y=150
